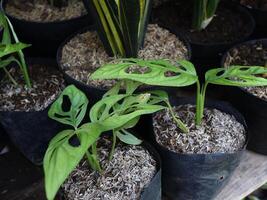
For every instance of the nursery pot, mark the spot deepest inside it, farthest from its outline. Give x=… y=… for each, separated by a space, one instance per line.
x=206 y=54
x=197 y=176
x=260 y=17
x=93 y=93
x=254 y=110
x=31 y=131
x=45 y=37
x=153 y=190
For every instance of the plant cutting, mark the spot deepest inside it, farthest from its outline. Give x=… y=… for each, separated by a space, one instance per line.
x=215 y=135
x=210 y=19
x=22 y=100
x=99 y=158
x=48 y=22
x=7 y=49
x=251 y=101
x=121 y=31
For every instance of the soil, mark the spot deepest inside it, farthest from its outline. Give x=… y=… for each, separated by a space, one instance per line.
x=124 y=178
x=218 y=133
x=250 y=55
x=47 y=84
x=258 y=4
x=227 y=26
x=84 y=53
x=41 y=11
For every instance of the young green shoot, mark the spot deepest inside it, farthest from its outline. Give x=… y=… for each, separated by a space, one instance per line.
x=115 y=113
x=7 y=49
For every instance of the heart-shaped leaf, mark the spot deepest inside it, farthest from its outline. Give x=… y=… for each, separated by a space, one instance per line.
x=61 y=157
x=75 y=112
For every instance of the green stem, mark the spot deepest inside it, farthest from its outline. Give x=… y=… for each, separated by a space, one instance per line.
x=201 y=94
x=10 y=77
x=21 y=56
x=114 y=139
x=180 y=124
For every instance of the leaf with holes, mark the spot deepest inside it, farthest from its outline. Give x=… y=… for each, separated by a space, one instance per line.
x=128 y=138
x=156 y=72
x=61 y=157
x=73 y=113
x=237 y=76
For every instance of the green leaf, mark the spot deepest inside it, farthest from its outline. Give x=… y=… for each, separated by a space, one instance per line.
x=6 y=49
x=117 y=111
x=77 y=110
x=184 y=72
x=61 y=158
x=102 y=109
x=129 y=18
x=128 y=138
x=237 y=76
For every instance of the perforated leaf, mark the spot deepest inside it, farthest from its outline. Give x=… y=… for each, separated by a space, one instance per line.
x=237 y=76
x=61 y=157
x=156 y=72
x=73 y=113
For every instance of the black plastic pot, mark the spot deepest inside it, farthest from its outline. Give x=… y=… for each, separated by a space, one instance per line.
x=197 y=176
x=253 y=108
x=260 y=17
x=31 y=132
x=207 y=55
x=45 y=37
x=94 y=93
x=153 y=190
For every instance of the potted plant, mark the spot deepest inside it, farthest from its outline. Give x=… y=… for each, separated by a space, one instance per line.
x=211 y=26
x=116 y=36
x=252 y=101
x=258 y=9
x=87 y=163
x=200 y=144
x=46 y=23
x=23 y=100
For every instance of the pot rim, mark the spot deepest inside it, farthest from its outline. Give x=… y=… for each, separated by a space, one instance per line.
x=199 y=155
x=92 y=28
x=32 y=60
x=223 y=59
x=56 y=22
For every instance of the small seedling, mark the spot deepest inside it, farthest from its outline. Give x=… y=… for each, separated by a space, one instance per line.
x=121 y=24
x=114 y=113
x=183 y=73
x=7 y=49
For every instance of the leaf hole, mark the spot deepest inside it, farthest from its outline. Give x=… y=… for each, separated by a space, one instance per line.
x=66 y=104
x=171 y=74
x=220 y=73
x=74 y=141
x=243 y=68
x=136 y=69
x=61 y=116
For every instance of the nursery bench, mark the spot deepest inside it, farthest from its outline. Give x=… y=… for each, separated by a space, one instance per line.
x=249 y=176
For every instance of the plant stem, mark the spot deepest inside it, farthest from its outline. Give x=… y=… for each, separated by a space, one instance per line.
x=114 y=139
x=201 y=94
x=180 y=124
x=10 y=77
